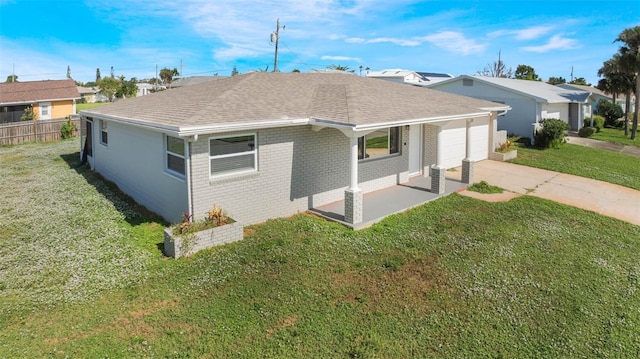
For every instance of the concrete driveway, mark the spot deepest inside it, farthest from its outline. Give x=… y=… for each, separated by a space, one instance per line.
x=597 y=196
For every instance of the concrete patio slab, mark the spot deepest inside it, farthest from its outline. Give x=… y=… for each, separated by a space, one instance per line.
x=382 y=203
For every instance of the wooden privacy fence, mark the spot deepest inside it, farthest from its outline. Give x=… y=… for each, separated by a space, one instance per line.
x=14 y=133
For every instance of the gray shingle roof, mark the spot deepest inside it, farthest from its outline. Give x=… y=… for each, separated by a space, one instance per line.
x=32 y=91
x=193 y=80
x=261 y=97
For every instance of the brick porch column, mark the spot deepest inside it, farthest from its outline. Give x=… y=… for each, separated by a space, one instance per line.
x=353 y=206
x=467 y=163
x=437 y=171
x=437 y=179
x=353 y=195
x=467 y=171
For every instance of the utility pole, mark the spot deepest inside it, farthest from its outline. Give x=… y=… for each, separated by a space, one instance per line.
x=274 y=38
x=571 y=73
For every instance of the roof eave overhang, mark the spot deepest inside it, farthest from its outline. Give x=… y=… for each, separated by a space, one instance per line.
x=24 y=102
x=199 y=130
x=319 y=123
x=355 y=129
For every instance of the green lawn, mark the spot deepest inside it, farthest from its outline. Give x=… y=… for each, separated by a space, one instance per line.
x=82 y=276
x=616 y=135
x=613 y=167
x=86 y=106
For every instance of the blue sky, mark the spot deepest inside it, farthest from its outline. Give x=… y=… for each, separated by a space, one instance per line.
x=42 y=37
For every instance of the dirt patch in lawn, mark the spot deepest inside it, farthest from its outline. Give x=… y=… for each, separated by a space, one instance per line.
x=490 y=197
x=418 y=283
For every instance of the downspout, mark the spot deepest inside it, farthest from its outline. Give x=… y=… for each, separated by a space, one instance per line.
x=190 y=209
x=80 y=135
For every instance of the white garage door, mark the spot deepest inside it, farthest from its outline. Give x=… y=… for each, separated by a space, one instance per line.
x=454 y=135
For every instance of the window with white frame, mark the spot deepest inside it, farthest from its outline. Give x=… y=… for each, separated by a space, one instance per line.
x=379 y=143
x=104 y=134
x=233 y=154
x=175 y=155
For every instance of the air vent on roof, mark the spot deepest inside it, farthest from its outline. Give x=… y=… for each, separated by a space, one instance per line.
x=467 y=82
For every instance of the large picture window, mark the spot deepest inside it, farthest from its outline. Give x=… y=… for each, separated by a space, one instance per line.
x=379 y=143
x=175 y=155
x=233 y=154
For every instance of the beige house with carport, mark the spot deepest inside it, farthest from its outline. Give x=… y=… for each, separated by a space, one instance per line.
x=268 y=145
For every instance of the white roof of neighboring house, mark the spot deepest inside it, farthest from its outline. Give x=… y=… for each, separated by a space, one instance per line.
x=276 y=99
x=593 y=90
x=538 y=90
x=86 y=90
x=411 y=77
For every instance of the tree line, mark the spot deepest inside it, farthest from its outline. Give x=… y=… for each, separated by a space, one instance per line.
x=524 y=72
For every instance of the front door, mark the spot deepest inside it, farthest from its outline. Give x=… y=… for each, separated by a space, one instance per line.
x=415 y=150
x=574 y=116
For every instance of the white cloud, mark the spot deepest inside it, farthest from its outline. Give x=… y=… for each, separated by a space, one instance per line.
x=448 y=40
x=399 y=42
x=341 y=58
x=378 y=40
x=557 y=42
x=454 y=42
x=355 y=40
x=529 y=33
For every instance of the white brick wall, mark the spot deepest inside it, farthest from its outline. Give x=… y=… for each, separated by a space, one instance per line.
x=298 y=169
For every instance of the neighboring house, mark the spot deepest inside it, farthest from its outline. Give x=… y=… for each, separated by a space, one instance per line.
x=409 y=77
x=530 y=101
x=50 y=99
x=145 y=88
x=92 y=95
x=265 y=145
x=596 y=94
x=193 y=80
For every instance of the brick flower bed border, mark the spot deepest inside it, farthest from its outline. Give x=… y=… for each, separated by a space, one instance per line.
x=204 y=239
x=500 y=156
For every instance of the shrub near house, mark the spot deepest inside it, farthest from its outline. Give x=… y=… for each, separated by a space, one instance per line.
x=552 y=133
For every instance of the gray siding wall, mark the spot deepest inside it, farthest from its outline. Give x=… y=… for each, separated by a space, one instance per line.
x=298 y=169
x=519 y=120
x=134 y=160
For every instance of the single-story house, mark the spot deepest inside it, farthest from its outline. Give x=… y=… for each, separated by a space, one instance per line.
x=530 y=101
x=266 y=145
x=50 y=99
x=409 y=77
x=92 y=94
x=596 y=94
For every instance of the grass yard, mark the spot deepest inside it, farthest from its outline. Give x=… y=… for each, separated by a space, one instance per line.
x=82 y=276
x=615 y=135
x=612 y=167
x=86 y=106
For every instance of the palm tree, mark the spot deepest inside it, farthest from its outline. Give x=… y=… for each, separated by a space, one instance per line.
x=344 y=68
x=618 y=79
x=630 y=57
